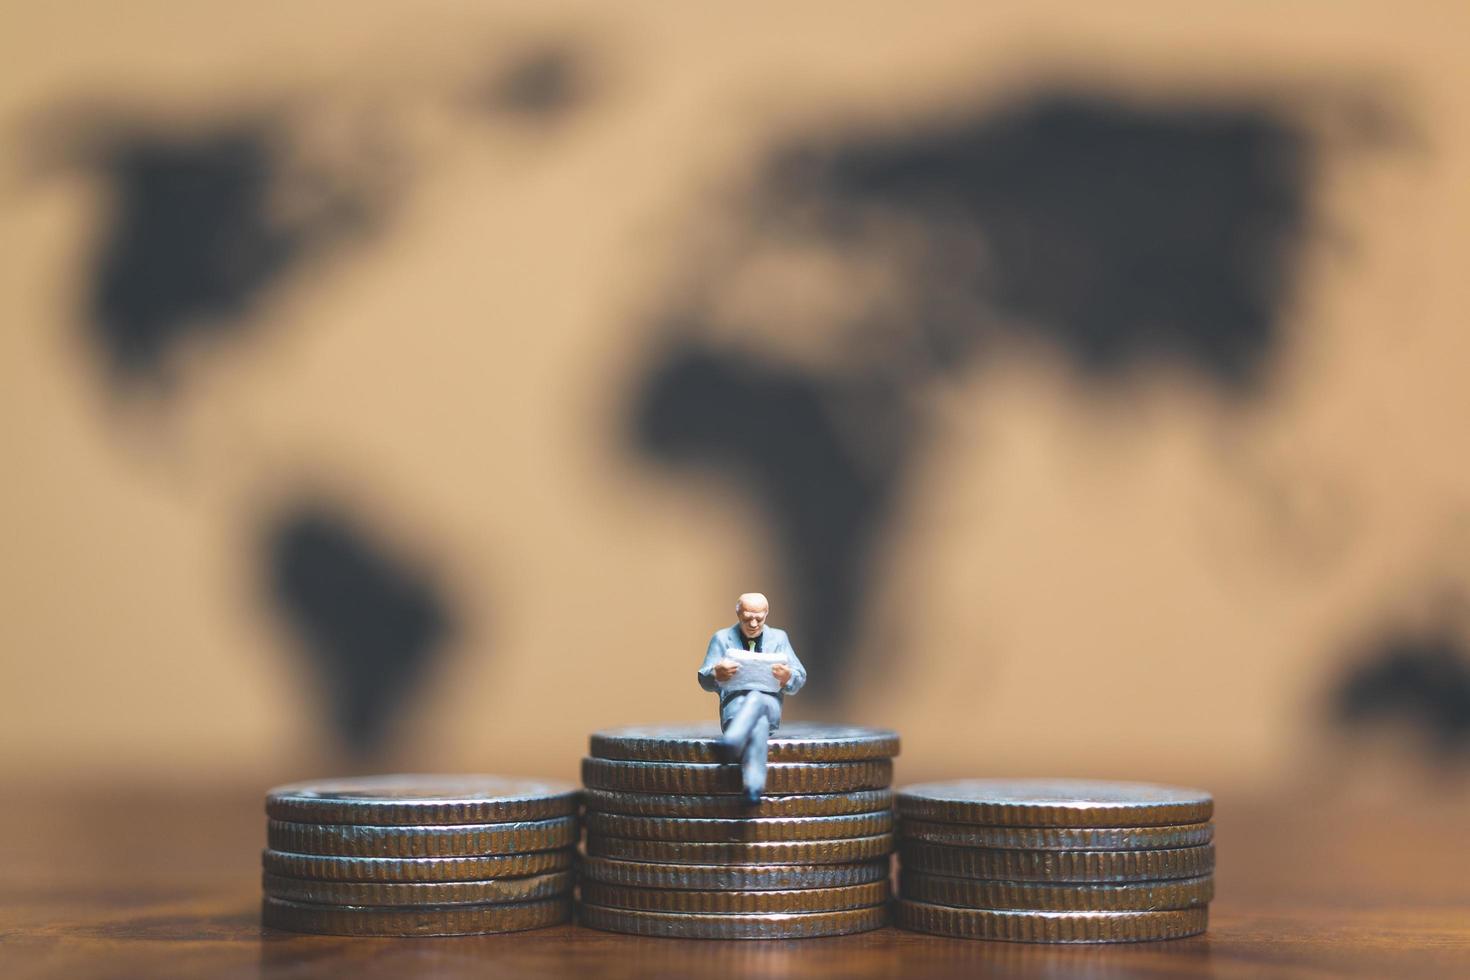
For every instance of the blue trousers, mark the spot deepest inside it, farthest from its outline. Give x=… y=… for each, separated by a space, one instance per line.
x=747 y=720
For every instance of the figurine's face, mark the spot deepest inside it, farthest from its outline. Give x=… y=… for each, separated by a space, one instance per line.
x=752 y=617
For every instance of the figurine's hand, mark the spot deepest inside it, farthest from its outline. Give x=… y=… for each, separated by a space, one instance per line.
x=725 y=669
x=781 y=672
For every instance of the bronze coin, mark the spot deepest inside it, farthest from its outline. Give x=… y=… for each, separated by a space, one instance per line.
x=1137 y=896
x=323 y=867
x=734 y=806
x=739 y=877
x=1003 y=865
x=438 y=841
x=399 y=801
x=1059 y=838
x=1050 y=927
x=1053 y=803
x=683 y=925
x=694 y=829
x=735 y=902
x=782 y=778
x=748 y=852
x=794 y=742
x=449 y=920
x=373 y=893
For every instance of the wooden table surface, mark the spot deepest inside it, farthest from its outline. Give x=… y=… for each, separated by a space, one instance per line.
x=164 y=882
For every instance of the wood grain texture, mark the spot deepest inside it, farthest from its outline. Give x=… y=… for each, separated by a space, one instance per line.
x=167 y=885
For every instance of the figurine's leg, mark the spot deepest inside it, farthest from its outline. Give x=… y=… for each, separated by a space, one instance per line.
x=753 y=766
x=747 y=714
x=773 y=712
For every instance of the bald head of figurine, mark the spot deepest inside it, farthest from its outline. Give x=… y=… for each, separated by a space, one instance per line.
x=751 y=609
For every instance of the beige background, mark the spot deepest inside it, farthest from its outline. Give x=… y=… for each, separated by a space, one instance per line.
x=1152 y=581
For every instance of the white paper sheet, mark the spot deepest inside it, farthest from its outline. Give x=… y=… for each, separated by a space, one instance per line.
x=755 y=670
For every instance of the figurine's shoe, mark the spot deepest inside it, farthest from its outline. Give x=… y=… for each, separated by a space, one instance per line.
x=752 y=796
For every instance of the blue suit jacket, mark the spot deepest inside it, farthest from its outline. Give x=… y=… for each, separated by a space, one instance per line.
x=772 y=641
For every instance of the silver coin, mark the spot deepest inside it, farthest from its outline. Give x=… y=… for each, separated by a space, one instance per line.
x=782 y=778
x=450 y=920
x=420 y=841
x=710 y=877
x=372 y=893
x=845 y=851
x=1053 y=803
x=794 y=742
x=404 y=800
x=736 y=902
x=697 y=829
x=323 y=867
x=1050 y=927
x=1009 y=865
x=974 y=893
x=731 y=806
x=1059 y=838
x=677 y=925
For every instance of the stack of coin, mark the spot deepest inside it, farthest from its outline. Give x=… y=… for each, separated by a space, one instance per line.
x=673 y=849
x=419 y=855
x=1055 y=861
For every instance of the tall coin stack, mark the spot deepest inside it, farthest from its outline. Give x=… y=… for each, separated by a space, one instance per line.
x=1055 y=861
x=674 y=850
x=419 y=855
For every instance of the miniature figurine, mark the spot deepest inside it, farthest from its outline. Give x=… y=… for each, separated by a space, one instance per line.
x=753 y=668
